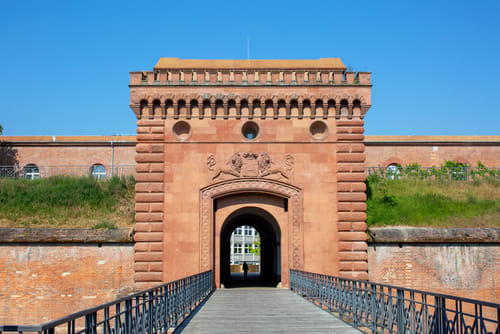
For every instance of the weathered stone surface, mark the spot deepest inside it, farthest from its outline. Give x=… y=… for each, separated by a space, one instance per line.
x=41 y=282
x=433 y=235
x=65 y=235
x=469 y=270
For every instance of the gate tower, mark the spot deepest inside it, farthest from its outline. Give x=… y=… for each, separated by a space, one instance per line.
x=274 y=144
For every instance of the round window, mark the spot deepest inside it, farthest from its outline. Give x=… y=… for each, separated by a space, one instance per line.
x=182 y=130
x=250 y=130
x=318 y=130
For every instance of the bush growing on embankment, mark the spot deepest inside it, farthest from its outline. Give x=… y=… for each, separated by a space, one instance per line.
x=67 y=202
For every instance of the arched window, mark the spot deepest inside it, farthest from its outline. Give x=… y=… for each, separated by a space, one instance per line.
x=31 y=172
x=156 y=109
x=144 y=111
x=182 y=110
x=207 y=109
x=245 y=109
x=331 y=110
x=231 y=109
x=195 y=109
x=344 y=109
x=282 y=108
x=306 y=108
x=169 y=108
x=219 y=109
x=393 y=172
x=319 y=111
x=98 y=171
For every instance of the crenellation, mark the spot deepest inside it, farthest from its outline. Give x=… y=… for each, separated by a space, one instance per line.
x=349 y=77
x=190 y=77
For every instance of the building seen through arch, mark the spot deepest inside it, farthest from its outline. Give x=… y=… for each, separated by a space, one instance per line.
x=259 y=225
x=245 y=246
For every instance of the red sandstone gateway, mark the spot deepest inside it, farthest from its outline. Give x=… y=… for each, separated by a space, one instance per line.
x=273 y=144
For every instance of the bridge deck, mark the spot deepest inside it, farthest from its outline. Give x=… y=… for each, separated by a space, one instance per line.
x=261 y=310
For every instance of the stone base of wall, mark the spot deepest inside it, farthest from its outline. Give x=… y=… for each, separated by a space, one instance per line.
x=40 y=282
x=466 y=263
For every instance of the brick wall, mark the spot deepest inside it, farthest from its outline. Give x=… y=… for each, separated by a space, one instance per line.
x=43 y=282
x=432 y=151
x=380 y=150
x=457 y=267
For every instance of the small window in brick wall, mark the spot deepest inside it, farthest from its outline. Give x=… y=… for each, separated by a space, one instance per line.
x=31 y=172
x=98 y=171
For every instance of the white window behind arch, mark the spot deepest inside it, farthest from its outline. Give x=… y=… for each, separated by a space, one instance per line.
x=393 y=172
x=98 y=171
x=31 y=172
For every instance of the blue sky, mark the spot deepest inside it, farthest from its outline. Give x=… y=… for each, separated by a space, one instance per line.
x=65 y=64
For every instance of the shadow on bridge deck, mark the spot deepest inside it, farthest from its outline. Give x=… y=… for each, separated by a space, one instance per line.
x=261 y=310
x=253 y=280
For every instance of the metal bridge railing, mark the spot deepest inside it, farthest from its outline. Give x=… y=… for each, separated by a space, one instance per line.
x=36 y=172
x=384 y=308
x=156 y=310
x=436 y=173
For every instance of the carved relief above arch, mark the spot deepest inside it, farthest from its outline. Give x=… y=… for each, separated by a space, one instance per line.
x=252 y=185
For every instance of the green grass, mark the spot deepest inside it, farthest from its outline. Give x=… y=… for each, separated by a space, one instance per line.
x=433 y=203
x=67 y=202
x=86 y=202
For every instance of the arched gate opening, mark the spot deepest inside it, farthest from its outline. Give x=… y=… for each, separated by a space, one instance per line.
x=270 y=247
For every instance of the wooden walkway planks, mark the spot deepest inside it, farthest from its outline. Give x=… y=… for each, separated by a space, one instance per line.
x=261 y=310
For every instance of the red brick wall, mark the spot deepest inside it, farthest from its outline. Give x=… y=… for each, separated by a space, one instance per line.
x=466 y=270
x=40 y=283
x=432 y=153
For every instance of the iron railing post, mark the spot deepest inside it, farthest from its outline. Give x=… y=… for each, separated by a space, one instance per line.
x=400 y=325
x=128 y=316
x=150 y=313
x=373 y=307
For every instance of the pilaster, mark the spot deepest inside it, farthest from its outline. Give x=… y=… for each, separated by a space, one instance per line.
x=351 y=200
x=149 y=198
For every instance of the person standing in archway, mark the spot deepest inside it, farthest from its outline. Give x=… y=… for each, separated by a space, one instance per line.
x=245 y=270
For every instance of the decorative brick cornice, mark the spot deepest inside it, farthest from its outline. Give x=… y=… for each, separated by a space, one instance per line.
x=270 y=105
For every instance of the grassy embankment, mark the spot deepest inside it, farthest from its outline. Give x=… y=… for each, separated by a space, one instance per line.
x=86 y=202
x=433 y=203
x=67 y=202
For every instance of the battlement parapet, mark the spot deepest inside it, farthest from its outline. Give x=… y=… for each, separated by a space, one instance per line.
x=249 y=77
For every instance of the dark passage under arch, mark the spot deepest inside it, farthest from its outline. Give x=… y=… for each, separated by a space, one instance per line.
x=270 y=257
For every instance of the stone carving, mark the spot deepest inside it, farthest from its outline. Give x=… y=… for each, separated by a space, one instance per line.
x=251 y=164
x=248 y=185
x=268 y=167
x=233 y=166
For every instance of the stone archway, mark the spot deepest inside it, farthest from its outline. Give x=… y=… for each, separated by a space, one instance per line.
x=293 y=224
x=269 y=262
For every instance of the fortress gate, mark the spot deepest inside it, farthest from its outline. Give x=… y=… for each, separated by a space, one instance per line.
x=274 y=144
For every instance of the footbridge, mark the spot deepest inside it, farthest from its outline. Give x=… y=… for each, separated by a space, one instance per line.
x=315 y=303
